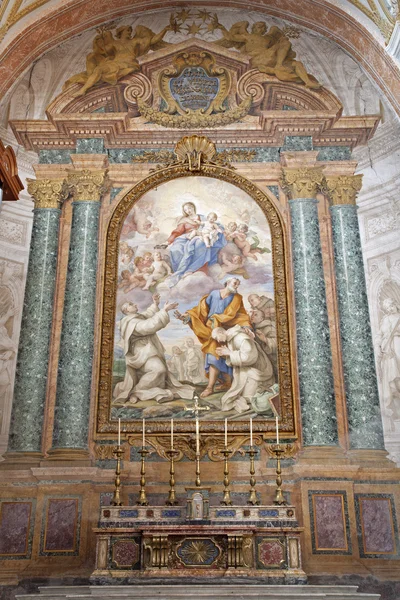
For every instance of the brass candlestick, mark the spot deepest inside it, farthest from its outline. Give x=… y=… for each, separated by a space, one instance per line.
x=116 y=499
x=227 y=501
x=142 y=501
x=198 y=482
x=252 y=494
x=278 y=450
x=171 y=496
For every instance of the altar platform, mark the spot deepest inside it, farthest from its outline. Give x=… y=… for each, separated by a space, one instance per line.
x=186 y=590
x=228 y=541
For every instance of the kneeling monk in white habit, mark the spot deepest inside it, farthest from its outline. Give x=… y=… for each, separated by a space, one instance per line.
x=147 y=376
x=252 y=370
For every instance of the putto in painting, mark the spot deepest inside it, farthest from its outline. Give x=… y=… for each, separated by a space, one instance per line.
x=195 y=311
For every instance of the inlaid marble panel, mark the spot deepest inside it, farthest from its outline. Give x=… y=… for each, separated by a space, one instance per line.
x=270 y=553
x=60 y=531
x=125 y=553
x=15 y=527
x=329 y=522
x=377 y=527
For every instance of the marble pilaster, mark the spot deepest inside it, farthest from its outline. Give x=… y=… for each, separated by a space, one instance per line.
x=362 y=398
x=71 y=420
x=318 y=411
x=33 y=352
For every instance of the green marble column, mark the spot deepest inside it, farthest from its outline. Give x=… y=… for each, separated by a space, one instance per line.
x=33 y=353
x=71 y=419
x=318 y=408
x=362 y=398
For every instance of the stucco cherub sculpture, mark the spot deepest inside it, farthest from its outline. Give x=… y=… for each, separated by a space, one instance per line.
x=269 y=51
x=115 y=57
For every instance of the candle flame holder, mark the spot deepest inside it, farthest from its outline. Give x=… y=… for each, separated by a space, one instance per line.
x=227 y=501
x=252 y=494
x=279 y=450
x=116 y=499
x=142 y=500
x=172 y=454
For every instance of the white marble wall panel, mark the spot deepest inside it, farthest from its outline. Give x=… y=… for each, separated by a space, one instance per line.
x=15 y=233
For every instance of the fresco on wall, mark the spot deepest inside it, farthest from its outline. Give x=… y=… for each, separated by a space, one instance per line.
x=195 y=310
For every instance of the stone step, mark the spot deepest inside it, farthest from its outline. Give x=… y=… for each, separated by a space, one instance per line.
x=216 y=595
x=208 y=590
x=127 y=590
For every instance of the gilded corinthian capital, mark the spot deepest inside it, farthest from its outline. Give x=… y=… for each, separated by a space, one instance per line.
x=343 y=189
x=302 y=183
x=47 y=193
x=87 y=185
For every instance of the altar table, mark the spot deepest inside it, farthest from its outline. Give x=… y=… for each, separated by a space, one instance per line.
x=161 y=541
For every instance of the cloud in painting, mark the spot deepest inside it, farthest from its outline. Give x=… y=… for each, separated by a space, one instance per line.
x=193 y=287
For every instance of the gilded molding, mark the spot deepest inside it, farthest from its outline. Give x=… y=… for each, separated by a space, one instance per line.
x=47 y=193
x=302 y=183
x=343 y=189
x=107 y=452
x=195 y=156
x=210 y=445
x=87 y=185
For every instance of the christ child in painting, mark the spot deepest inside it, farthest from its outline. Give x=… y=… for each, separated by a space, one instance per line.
x=159 y=270
x=209 y=231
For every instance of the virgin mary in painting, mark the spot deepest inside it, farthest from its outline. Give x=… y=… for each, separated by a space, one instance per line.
x=188 y=250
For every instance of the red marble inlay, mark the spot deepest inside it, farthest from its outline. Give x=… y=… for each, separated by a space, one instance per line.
x=14 y=527
x=330 y=528
x=61 y=521
x=377 y=526
x=125 y=553
x=270 y=553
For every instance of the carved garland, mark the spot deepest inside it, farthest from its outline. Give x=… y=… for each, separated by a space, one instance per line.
x=193 y=163
x=196 y=119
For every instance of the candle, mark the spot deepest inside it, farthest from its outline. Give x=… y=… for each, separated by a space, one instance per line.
x=144 y=440
x=172 y=434
x=119 y=432
x=251 y=432
x=277 y=430
x=197 y=437
x=226 y=433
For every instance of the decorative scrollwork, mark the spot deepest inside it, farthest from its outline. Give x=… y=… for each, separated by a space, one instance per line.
x=290 y=450
x=107 y=452
x=211 y=446
x=48 y=193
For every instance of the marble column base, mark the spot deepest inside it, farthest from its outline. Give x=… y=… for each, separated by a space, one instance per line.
x=370 y=458
x=21 y=460
x=322 y=455
x=68 y=456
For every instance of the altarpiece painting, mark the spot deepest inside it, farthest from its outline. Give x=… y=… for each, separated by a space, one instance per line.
x=194 y=301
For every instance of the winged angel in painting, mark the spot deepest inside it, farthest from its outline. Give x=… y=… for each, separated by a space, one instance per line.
x=195 y=305
x=270 y=51
x=115 y=57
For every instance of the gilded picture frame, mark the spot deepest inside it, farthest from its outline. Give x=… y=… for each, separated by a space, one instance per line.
x=106 y=427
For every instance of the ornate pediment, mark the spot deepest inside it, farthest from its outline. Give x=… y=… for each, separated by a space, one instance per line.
x=194 y=86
